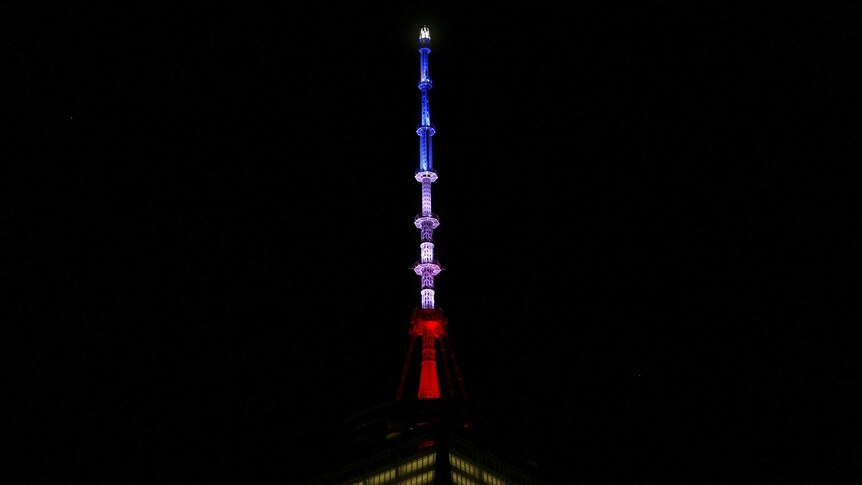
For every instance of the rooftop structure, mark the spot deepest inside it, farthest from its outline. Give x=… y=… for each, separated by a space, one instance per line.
x=425 y=436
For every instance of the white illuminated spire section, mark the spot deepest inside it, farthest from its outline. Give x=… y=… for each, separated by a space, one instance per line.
x=424 y=33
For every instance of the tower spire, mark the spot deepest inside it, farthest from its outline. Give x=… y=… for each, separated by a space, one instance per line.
x=427 y=268
x=428 y=323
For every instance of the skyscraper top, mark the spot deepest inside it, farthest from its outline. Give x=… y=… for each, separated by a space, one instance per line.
x=424 y=33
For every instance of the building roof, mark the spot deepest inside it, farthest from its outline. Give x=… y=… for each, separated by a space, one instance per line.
x=423 y=441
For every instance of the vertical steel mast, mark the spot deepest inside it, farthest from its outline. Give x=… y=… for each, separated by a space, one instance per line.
x=427 y=268
x=428 y=323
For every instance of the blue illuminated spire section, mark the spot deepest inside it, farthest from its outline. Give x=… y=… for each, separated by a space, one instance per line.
x=425 y=130
x=427 y=268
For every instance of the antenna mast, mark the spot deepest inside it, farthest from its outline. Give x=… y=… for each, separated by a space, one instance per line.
x=428 y=323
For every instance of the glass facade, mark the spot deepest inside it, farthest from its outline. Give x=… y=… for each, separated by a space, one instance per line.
x=466 y=473
x=417 y=471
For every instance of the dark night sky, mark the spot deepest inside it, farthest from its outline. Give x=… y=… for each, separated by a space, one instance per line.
x=650 y=251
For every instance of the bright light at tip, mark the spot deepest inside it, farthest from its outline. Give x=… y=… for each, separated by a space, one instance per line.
x=424 y=33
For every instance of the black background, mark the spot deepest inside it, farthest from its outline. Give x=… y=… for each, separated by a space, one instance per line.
x=651 y=266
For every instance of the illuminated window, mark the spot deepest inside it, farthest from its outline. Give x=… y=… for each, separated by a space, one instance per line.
x=491 y=479
x=422 y=479
x=469 y=474
x=464 y=466
x=382 y=478
x=416 y=465
x=459 y=479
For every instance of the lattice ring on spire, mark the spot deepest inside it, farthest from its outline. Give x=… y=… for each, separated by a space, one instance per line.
x=426 y=174
x=420 y=221
x=427 y=268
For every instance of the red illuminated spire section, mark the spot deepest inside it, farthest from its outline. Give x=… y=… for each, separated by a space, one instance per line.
x=428 y=323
